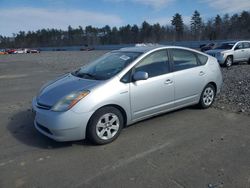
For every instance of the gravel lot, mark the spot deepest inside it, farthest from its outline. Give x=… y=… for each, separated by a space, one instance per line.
x=187 y=148
x=235 y=93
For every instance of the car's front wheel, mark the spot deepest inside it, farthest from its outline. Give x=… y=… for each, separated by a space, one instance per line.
x=207 y=96
x=105 y=125
x=228 y=61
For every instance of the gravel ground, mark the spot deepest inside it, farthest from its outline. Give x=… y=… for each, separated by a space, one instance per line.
x=234 y=97
x=235 y=93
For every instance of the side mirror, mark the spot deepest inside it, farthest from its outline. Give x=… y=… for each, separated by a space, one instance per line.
x=140 y=75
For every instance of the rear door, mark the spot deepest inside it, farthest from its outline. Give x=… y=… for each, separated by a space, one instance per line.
x=157 y=92
x=189 y=76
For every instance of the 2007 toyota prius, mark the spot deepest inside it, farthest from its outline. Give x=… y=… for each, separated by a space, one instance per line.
x=123 y=87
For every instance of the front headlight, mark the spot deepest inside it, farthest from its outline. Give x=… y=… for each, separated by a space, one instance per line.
x=69 y=101
x=220 y=54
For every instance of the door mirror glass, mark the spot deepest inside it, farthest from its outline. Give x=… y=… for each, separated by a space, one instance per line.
x=140 y=75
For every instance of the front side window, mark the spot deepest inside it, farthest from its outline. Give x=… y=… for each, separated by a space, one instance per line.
x=239 y=46
x=107 y=66
x=154 y=64
x=183 y=59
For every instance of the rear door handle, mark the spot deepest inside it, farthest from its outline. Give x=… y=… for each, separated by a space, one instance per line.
x=201 y=73
x=168 y=81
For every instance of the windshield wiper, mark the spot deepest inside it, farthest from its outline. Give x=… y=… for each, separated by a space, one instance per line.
x=84 y=74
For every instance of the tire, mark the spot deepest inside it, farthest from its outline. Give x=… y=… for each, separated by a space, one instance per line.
x=207 y=96
x=229 y=61
x=248 y=61
x=105 y=125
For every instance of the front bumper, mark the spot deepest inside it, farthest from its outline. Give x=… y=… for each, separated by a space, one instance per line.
x=60 y=126
x=221 y=60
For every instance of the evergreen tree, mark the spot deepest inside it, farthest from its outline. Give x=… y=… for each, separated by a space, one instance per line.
x=178 y=24
x=218 y=26
x=196 y=25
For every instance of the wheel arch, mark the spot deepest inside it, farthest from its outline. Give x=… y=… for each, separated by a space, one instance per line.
x=123 y=112
x=229 y=55
x=213 y=84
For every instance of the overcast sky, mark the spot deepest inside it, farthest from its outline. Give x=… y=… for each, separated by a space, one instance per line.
x=25 y=15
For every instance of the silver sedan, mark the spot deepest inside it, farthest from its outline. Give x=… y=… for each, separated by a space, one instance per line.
x=123 y=87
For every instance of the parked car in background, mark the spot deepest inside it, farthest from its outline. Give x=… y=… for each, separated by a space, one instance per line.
x=207 y=47
x=3 y=52
x=33 y=51
x=26 y=51
x=123 y=87
x=21 y=51
x=228 y=53
x=10 y=51
x=87 y=48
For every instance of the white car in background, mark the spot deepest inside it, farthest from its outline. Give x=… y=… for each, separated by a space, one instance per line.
x=228 y=53
x=21 y=51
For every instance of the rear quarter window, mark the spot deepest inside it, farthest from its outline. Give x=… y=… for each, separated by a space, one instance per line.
x=202 y=58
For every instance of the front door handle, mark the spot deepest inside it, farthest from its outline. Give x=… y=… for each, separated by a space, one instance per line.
x=201 y=73
x=168 y=81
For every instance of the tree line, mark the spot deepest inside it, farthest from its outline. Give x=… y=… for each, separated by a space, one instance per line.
x=236 y=26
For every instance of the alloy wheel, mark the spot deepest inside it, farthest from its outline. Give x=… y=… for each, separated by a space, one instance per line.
x=107 y=126
x=208 y=96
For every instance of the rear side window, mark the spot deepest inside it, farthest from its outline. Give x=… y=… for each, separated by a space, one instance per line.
x=183 y=59
x=202 y=58
x=154 y=64
x=246 y=45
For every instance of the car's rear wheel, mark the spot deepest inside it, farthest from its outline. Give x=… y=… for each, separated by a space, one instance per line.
x=228 y=61
x=248 y=61
x=105 y=125
x=207 y=96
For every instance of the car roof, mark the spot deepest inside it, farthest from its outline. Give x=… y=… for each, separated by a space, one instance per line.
x=228 y=42
x=235 y=41
x=141 y=49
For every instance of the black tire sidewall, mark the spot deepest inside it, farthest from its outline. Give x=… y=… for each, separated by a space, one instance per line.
x=201 y=102
x=91 y=128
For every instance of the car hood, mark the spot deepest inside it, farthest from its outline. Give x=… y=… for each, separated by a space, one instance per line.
x=59 y=88
x=214 y=51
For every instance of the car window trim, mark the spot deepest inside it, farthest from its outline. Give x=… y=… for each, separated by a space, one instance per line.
x=172 y=59
x=132 y=70
x=246 y=43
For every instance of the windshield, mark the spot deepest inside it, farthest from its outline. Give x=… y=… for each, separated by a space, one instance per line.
x=225 y=46
x=106 y=66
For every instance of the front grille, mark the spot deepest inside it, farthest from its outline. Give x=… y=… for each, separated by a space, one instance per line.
x=45 y=129
x=43 y=106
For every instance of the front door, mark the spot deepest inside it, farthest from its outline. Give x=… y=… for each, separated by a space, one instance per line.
x=155 y=94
